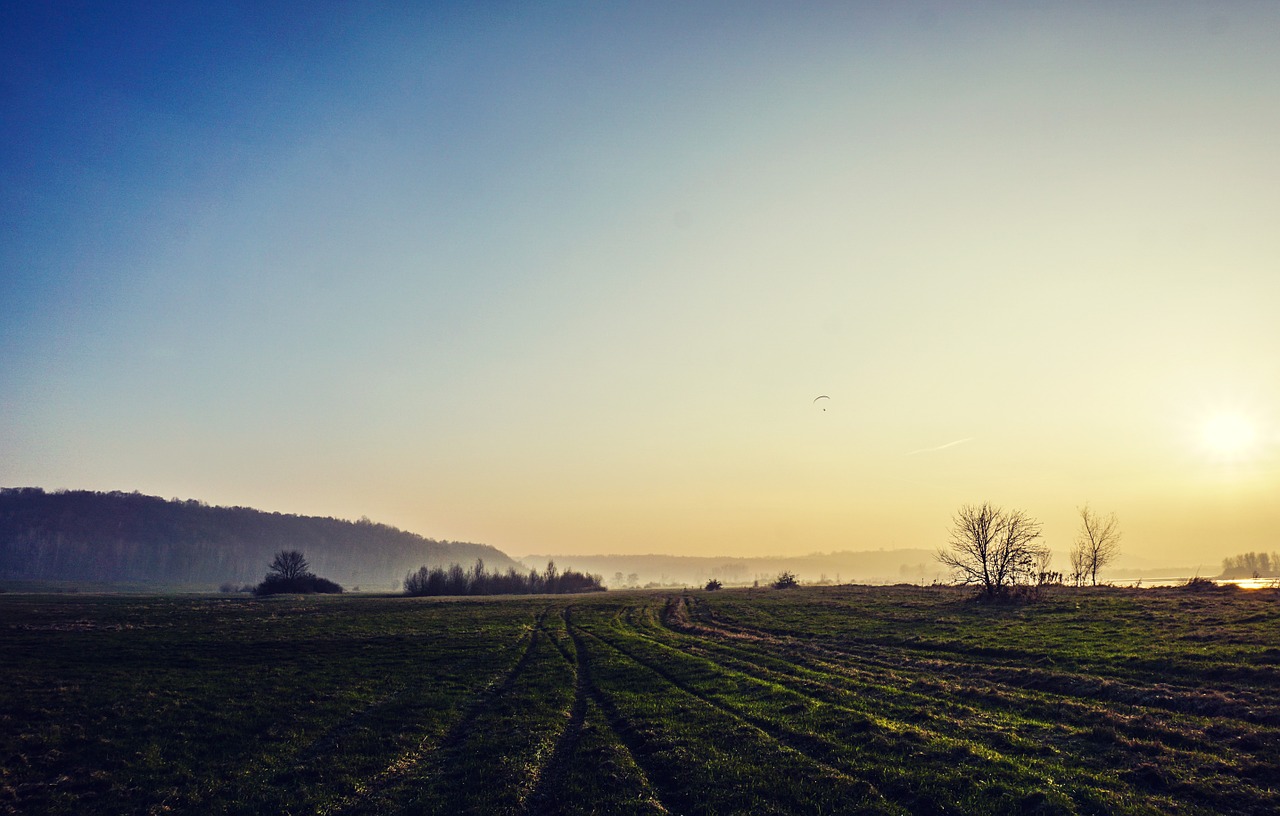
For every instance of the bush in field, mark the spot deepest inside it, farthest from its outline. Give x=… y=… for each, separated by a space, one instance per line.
x=1198 y=584
x=713 y=585
x=290 y=573
x=306 y=585
x=454 y=580
x=786 y=580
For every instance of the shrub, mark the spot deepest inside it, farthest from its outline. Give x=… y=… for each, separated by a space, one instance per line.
x=713 y=585
x=1010 y=595
x=304 y=585
x=289 y=573
x=1198 y=584
x=786 y=580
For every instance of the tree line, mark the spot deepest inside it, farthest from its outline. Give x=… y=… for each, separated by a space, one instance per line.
x=1251 y=565
x=455 y=580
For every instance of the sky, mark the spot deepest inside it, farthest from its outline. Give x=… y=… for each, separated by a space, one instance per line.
x=569 y=277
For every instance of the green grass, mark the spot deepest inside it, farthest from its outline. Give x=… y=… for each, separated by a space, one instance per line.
x=815 y=700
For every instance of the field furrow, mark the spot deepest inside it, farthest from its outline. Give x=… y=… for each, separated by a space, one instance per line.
x=704 y=758
x=493 y=759
x=1072 y=718
x=420 y=764
x=591 y=770
x=929 y=696
x=847 y=733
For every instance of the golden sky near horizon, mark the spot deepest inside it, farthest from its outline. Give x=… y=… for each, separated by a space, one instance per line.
x=567 y=279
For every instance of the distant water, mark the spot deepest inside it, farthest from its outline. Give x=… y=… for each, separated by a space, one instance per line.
x=1243 y=583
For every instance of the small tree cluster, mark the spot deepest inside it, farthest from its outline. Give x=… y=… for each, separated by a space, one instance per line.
x=1043 y=573
x=454 y=580
x=1251 y=565
x=290 y=573
x=786 y=580
x=713 y=585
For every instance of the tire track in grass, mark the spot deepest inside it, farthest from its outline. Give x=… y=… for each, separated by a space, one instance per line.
x=503 y=755
x=1009 y=688
x=560 y=787
x=706 y=758
x=801 y=744
x=1071 y=720
x=936 y=751
x=615 y=723
x=976 y=719
x=650 y=745
x=969 y=732
x=825 y=675
x=377 y=796
x=540 y=801
x=1082 y=739
x=789 y=740
x=916 y=658
x=793 y=666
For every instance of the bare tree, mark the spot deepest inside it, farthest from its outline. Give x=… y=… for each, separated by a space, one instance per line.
x=1078 y=571
x=993 y=548
x=1097 y=545
x=290 y=564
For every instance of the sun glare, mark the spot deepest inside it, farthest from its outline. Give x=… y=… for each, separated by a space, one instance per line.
x=1228 y=435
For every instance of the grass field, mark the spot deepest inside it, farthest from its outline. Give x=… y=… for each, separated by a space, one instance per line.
x=815 y=700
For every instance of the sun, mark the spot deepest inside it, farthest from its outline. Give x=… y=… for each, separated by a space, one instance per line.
x=1228 y=435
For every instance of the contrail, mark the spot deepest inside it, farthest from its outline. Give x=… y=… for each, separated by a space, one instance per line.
x=941 y=447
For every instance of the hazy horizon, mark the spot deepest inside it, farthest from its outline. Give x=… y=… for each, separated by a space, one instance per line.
x=569 y=277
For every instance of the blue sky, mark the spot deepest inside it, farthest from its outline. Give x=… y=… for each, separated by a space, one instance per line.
x=567 y=277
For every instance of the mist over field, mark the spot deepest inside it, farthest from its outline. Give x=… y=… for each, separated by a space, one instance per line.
x=881 y=567
x=130 y=540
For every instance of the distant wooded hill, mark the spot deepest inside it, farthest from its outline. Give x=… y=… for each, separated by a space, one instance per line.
x=130 y=538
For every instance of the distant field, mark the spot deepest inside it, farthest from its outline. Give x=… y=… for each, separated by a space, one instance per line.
x=822 y=700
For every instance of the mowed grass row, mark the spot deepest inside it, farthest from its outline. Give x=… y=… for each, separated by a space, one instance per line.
x=1169 y=705
x=831 y=749
x=824 y=700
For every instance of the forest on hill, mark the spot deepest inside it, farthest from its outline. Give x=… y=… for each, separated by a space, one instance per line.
x=129 y=538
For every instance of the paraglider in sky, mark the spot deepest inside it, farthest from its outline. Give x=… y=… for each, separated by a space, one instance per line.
x=822 y=397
